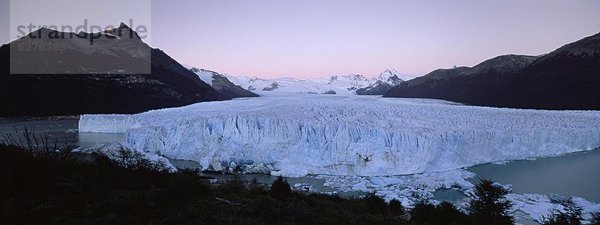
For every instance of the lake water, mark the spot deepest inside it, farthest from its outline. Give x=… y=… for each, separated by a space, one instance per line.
x=62 y=131
x=575 y=174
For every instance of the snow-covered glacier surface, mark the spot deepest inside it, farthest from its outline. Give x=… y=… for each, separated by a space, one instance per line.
x=349 y=135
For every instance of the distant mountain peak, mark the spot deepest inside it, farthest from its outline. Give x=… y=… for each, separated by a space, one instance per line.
x=390 y=71
x=389 y=75
x=347 y=78
x=123 y=31
x=123 y=26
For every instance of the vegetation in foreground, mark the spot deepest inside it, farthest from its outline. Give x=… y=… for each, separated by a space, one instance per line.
x=63 y=187
x=595 y=219
x=570 y=215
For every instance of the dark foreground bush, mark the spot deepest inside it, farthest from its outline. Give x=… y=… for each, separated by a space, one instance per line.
x=92 y=189
x=595 y=219
x=375 y=204
x=571 y=215
x=280 y=188
x=73 y=188
x=443 y=214
x=396 y=208
x=489 y=205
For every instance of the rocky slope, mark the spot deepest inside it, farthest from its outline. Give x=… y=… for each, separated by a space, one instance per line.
x=220 y=83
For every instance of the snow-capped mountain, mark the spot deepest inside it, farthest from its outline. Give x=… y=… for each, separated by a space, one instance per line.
x=394 y=77
x=337 y=84
x=345 y=84
x=222 y=84
x=385 y=81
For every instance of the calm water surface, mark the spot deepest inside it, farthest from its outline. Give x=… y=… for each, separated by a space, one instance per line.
x=61 y=131
x=576 y=174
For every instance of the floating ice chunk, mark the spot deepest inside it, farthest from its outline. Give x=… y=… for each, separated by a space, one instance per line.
x=588 y=207
x=535 y=206
x=407 y=189
x=111 y=150
x=538 y=207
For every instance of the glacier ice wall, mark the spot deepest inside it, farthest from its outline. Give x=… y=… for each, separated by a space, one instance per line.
x=350 y=135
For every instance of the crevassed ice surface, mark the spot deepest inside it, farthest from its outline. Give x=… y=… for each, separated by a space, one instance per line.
x=350 y=135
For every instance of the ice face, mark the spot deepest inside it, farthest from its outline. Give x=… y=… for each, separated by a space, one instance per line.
x=350 y=135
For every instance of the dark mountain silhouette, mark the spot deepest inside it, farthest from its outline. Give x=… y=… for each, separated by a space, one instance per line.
x=75 y=77
x=567 y=78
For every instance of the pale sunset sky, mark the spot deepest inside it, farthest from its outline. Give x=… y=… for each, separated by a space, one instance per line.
x=315 y=38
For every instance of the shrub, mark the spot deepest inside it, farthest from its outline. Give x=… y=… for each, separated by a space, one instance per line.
x=595 y=219
x=97 y=189
x=40 y=143
x=255 y=186
x=570 y=216
x=443 y=214
x=375 y=204
x=135 y=160
x=421 y=213
x=446 y=213
x=235 y=185
x=489 y=205
x=396 y=208
x=280 y=188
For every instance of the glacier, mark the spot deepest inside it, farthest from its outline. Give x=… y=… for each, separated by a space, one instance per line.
x=297 y=135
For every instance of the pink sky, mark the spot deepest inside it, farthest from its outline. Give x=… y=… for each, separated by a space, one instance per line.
x=315 y=38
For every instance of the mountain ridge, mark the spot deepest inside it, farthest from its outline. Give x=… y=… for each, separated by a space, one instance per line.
x=106 y=77
x=566 y=78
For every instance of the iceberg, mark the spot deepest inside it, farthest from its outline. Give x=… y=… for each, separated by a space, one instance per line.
x=408 y=189
x=350 y=135
x=539 y=207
